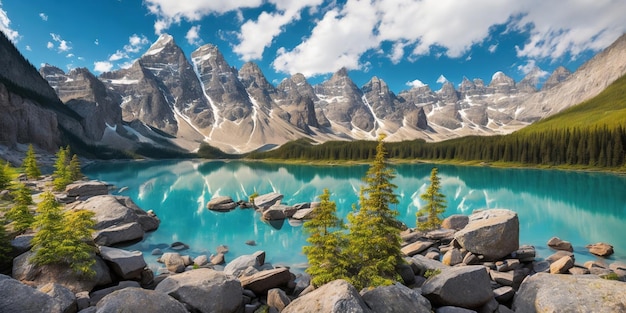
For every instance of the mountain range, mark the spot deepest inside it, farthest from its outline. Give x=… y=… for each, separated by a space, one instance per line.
x=170 y=101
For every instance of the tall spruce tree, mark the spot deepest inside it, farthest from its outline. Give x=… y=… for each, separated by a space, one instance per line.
x=374 y=238
x=19 y=213
x=74 y=169
x=326 y=239
x=5 y=175
x=435 y=204
x=61 y=175
x=5 y=247
x=63 y=238
x=30 y=164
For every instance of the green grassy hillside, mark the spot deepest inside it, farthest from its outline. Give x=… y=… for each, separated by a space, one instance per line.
x=608 y=108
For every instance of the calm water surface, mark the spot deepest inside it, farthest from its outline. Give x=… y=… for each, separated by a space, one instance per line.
x=579 y=207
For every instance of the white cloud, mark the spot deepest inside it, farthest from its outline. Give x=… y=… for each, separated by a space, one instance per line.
x=28 y=48
x=416 y=84
x=172 y=12
x=43 y=16
x=257 y=35
x=102 y=66
x=451 y=28
x=531 y=68
x=126 y=65
x=69 y=55
x=493 y=48
x=442 y=79
x=63 y=45
x=5 y=26
x=118 y=55
x=338 y=40
x=136 y=43
x=193 y=35
x=96 y=42
x=469 y=57
x=50 y=45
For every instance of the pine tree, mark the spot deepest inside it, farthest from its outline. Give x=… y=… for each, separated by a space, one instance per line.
x=374 y=238
x=30 y=164
x=5 y=176
x=5 y=246
x=435 y=204
x=19 y=213
x=63 y=238
x=74 y=169
x=327 y=242
x=61 y=171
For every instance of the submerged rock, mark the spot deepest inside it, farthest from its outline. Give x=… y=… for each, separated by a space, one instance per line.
x=557 y=244
x=600 y=249
x=221 y=203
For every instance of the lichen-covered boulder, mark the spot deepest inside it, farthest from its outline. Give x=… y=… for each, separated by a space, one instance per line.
x=569 y=293
x=465 y=286
x=204 y=290
x=491 y=233
x=337 y=296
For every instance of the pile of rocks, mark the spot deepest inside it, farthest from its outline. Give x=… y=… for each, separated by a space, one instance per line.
x=269 y=205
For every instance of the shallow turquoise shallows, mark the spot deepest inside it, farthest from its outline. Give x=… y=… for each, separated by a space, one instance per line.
x=582 y=208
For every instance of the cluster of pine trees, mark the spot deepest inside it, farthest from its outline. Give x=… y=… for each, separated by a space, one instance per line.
x=600 y=146
x=61 y=237
x=369 y=253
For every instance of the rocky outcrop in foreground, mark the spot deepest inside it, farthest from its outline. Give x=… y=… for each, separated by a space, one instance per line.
x=474 y=265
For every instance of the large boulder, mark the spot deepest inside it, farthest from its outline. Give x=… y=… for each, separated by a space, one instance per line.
x=600 y=249
x=65 y=298
x=126 y=264
x=22 y=243
x=86 y=189
x=421 y=264
x=204 y=290
x=465 y=286
x=119 y=233
x=221 y=203
x=97 y=295
x=278 y=212
x=491 y=233
x=337 y=296
x=60 y=274
x=139 y=300
x=241 y=263
x=395 y=298
x=263 y=281
x=417 y=247
x=17 y=297
x=116 y=210
x=569 y=293
x=303 y=214
x=264 y=202
x=277 y=298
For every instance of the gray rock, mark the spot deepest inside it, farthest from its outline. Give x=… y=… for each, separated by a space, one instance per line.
x=278 y=212
x=452 y=257
x=453 y=309
x=578 y=270
x=126 y=264
x=222 y=249
x=569 y=293
x=156 y=251
x=303 y=214
x=239 y=264
x=22 y=243
x=86 y=189
x=504 y=294
x=337 y=296
x=466 y=286
x=561 y=265
x=277 y=298
x=416 y=247
x=507 y=265
x=139 y=300
x=218 y=259
x=541 y=267
x=455 y=221
x=17 y=297
x=491 y=233
x=264 y=202
x=558 y=255
x=65 y=298
x=173 y=261
x=441 y=234
x=395 y=298
x=201 y=260
x=525 y=253
x=204 y=290
x=221 y=203
x=421 y=264
x=60 y=274
x=82 y=300
x=118 y=233
x=97 y=295
x=471 y=259
x=503 y=278
x=557 y=244
x=600 y=249
x=263 y=281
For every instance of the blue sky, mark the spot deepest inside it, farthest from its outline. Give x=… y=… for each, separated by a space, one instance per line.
x=404 y=42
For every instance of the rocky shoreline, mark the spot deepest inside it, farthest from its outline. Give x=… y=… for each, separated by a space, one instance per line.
x=472 y=264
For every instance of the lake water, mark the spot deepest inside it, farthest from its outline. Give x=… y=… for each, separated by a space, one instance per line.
x=579 y=207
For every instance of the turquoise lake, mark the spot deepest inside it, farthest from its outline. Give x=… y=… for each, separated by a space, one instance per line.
x=580 y=207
